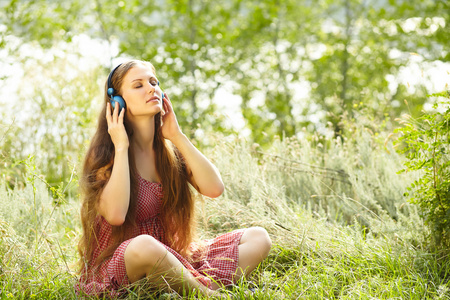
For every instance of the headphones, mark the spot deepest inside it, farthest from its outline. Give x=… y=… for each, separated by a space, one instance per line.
x=117 y=98
x=112 y=92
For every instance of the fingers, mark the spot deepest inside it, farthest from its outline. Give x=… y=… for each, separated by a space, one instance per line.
x=164 y=105
x=166 y=98
x=108 y=113
x=115 y=117
x=116 y=112
x=121 y=115
x=116 y=128
x=166 y=109
x=167 y=105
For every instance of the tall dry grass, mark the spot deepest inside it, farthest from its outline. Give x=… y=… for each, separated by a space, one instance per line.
x=334 y=208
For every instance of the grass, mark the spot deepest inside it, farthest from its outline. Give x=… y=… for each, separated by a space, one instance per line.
x=335 y=210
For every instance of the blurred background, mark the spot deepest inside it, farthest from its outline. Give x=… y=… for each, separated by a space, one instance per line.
x=254 y=69
x=318 y=115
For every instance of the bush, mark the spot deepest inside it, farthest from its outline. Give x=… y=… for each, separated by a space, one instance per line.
x=425 y=141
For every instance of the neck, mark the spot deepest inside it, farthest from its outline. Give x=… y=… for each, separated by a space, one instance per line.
x=143 y=134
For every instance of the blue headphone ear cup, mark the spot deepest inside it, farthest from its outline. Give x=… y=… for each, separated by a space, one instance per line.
x=118 y=99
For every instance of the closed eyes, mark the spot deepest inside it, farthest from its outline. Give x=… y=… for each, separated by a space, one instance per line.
x=153 y=82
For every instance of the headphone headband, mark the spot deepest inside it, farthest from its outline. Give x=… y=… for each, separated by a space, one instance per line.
x=111 y=91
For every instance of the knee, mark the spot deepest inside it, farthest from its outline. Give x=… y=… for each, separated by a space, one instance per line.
x=260 y=238
x=145 y=250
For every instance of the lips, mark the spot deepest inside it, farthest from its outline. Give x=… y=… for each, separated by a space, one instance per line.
x=153 y=99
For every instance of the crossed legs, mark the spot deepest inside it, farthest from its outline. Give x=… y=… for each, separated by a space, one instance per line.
x=146 y=257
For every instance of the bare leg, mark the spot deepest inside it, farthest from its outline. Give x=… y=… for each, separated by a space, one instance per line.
x=146 y=257
x=254 y=247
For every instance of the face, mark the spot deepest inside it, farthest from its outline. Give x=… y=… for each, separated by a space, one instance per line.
x=141 y=91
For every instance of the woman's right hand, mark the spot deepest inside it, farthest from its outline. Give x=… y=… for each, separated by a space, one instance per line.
x=116 y=129
x=115 y=197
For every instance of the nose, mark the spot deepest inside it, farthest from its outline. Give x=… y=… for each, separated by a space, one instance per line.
x=151 y=89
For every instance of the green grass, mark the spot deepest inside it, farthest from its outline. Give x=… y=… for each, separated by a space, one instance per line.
x=340 y=225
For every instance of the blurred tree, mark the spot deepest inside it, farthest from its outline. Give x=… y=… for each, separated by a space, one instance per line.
x=183 y=39
x=342 y=55
x=52 y=115
x=270 y=62
x=45 y=21
x=363 y=46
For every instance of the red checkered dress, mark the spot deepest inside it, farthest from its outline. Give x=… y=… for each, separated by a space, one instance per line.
x=214 y=259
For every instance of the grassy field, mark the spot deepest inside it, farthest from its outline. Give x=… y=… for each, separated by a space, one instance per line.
x=335 y=210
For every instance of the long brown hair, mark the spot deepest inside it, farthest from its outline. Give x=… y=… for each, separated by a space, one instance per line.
x=177 y=209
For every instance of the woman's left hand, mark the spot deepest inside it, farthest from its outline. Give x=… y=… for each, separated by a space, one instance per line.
x=170 y=128
x=203 y=175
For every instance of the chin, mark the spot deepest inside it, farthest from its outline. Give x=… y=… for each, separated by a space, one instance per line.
x=156 y=111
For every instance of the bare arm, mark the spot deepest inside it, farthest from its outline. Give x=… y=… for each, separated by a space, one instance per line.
x=115 y=197
x=205 y=176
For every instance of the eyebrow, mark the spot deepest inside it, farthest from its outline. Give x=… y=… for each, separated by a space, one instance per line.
x=140 y=79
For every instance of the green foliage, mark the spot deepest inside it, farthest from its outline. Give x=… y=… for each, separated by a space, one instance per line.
x=334 y=205
x=425 y=142
x=291 y=64
x=346 y=180
x=316 y=254
x=45 y=21
x=38 y=234
x=56 y=124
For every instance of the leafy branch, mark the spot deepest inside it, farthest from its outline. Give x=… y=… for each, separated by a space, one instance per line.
x=425 y=143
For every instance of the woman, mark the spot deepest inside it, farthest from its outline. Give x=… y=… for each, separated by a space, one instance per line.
x=137 y=211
